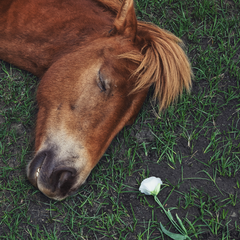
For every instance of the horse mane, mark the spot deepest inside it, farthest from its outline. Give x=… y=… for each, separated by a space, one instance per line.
x=162 y=61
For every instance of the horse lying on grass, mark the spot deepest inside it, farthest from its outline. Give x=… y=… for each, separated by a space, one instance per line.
x=96 y=63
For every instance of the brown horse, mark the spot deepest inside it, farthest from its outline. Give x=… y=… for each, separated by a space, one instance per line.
x=96 y=63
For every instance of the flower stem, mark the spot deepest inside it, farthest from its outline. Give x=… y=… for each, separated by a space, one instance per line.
x=169 y=216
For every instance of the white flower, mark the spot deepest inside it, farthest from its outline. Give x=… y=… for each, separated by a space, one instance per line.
x=151 y=186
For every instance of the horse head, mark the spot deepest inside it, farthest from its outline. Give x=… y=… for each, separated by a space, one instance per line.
x=87 y=96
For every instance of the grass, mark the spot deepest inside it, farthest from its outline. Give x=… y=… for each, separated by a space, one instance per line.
x=194 y=146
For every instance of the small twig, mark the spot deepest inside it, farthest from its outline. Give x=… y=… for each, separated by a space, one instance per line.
x=154 y=111
x=219 y=76
x=193 y=154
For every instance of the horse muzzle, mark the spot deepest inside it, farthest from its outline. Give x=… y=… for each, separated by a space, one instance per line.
x=51 y=176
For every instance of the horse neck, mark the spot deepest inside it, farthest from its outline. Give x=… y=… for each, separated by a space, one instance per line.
x=35 y=33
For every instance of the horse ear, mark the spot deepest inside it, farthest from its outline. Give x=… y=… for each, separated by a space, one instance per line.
x=126 y=21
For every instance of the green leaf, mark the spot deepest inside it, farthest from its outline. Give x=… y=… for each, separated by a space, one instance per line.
x=181 y=223
x=169 y=215
x=174 y=236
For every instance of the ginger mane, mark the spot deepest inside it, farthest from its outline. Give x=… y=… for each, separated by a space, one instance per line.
x=162 y=61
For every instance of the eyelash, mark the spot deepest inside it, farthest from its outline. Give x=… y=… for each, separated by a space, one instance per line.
x=101 y=83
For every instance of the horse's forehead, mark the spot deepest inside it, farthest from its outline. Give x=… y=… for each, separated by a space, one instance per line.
x=106 y=57
x=106 y=47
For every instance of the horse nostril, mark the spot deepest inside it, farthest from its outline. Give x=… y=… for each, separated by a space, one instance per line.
x=63 y=178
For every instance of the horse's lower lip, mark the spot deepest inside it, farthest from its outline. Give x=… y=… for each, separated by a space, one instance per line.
x=37 y=172
x=36 y=176
x=35 y=167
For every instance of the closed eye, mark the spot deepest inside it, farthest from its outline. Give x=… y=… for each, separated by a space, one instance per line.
x=101 y=82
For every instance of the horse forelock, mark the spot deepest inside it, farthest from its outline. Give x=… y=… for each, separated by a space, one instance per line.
x=162 y=63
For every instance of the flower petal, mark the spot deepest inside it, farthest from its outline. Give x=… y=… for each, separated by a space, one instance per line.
x=149 y=185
